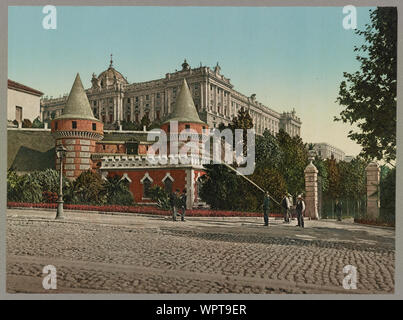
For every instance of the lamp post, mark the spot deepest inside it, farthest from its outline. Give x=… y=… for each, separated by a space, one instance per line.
x=60 y=153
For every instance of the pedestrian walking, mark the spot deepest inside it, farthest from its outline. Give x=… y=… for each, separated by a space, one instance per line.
x=285 y=205
x=183 y=204
x=300 y=207
x=173 y=200
x=266 y=204
x=338 y=209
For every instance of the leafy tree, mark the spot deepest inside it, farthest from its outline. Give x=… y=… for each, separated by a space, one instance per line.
x=294 y=159
x=26 y=123
x=161 y=197
x=38 y=124
x=267 y=150
x=220 y=187
x=129 y=125
x=388 y=196
x=334 y=178
x=88 y=188
x=23 y=188
x=242 y=121
x=369 y=95
x=117 y=191
x=48 y=180
x=320 y=164
x=145 y=121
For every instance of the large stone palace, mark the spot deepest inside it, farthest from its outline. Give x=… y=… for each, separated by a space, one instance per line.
x=113 y=100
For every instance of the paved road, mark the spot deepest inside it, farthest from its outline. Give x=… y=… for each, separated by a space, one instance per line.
x=145 y=254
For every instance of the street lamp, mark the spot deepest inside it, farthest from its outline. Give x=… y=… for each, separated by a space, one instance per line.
x=60 y=153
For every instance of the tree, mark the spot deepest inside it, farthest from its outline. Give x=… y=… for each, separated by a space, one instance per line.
x=38 y=124
x=117 y=191
x=334 y=178
x=88 y=188
x=221 y=187
x=242 y=121
x=26 y=123
x=369 y=95
x=145 y=121
x=388 y=196
x=294 y=159
x=267 y=152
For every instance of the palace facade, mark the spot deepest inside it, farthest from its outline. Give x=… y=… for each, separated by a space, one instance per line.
x=113 y=100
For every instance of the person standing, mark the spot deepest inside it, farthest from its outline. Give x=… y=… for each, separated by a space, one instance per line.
x=285 y=205
x=183 y=204
x=173 y=200
x=291 y=200
x=266 y=204
x=300 y=207
x=338 y=209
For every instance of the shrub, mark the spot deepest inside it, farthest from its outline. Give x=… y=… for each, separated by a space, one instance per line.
x=88 y=188
x=117 y=191
x=26 y=123
x=161 y=197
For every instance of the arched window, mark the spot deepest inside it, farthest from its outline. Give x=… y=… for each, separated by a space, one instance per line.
x=146 y=188
x=168 y=183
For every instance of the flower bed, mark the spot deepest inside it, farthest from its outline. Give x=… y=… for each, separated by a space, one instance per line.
x=140 y=209
x=374 y=222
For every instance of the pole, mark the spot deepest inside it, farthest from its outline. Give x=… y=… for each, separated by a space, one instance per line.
x=261 y=189
x=60 y=213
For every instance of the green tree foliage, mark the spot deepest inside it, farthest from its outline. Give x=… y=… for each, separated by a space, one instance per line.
x=334 y=178
x=294 y=159
x=128 y=125
x=88 y=188
x=369 y=95
x=267 y=152
x=23 y=188
x=161 y=197
x=321 y=165
x=145 y=121
x=242 y=121
x=220 y=187
x=388 y=196
x=117 y=191
x=38 y=124
x=48 y=180
x=26 y=123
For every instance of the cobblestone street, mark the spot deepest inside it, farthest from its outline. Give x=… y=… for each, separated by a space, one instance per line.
x=147 y=254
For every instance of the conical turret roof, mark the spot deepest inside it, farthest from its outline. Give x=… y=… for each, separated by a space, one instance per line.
x=184 y=109
x=77 y=106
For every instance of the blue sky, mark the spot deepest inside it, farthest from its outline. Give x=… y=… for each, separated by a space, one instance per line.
x=289 y=57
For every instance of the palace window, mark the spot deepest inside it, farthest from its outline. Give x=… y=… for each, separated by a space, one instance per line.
x=147 y=97
x=158 y=95
x=187 y=126
x=137 y=99
x=56 y=124
x=94 y=126
x=168 y=185
x=74 y=124
x=95 y=110
x=146 y=188
x=128 y=100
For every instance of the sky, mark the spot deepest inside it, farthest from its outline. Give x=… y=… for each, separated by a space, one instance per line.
x=290 y=57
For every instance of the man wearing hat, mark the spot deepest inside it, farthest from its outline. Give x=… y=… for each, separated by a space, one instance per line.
x=300 y=207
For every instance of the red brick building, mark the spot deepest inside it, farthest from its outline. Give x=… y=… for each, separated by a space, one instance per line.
x=125 y=153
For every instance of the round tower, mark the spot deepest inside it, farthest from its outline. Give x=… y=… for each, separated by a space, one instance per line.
x=77 y=130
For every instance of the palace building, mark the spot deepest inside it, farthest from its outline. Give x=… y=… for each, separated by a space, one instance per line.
x=113 y=100
x=124 y=153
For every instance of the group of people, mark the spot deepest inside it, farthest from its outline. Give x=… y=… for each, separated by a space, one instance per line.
x=286 y=206
x=177 y=202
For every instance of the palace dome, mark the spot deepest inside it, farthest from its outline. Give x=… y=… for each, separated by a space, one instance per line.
x=110 y=76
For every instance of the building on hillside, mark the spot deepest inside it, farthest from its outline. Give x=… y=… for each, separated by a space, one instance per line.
x=125 y=153
x=23 y=102
x=326 y=151
x=113 y=100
